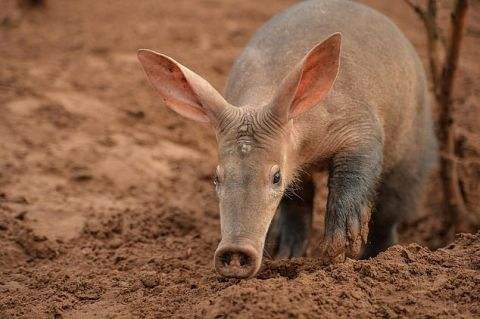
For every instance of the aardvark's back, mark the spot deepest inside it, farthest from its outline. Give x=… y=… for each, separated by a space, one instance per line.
x=379 y=69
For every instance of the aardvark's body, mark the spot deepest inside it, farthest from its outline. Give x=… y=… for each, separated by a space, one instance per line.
x=327 y=83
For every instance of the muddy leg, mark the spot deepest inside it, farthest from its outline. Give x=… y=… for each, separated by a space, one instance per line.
x=351 y=186
x=290 y=228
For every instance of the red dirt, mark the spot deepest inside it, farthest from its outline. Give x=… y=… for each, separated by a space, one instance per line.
x=106 y=203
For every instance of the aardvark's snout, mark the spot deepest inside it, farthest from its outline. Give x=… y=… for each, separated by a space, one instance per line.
x=237 y=259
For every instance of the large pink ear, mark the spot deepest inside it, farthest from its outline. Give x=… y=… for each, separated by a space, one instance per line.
x=181 y=89
x=310 y=81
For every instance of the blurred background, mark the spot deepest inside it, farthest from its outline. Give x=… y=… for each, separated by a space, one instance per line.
x=89 y=156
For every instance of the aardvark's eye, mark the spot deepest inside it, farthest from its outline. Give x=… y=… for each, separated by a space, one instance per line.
x=277 y=177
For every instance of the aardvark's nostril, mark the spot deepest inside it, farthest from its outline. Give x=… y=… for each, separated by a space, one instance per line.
x=237 y=261
x=234 y=259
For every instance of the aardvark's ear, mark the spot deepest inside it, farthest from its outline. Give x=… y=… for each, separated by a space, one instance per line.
x=181 y=89
x=309 y=81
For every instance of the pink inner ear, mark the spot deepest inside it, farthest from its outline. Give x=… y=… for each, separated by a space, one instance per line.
x=320 y=68
x=172 y=85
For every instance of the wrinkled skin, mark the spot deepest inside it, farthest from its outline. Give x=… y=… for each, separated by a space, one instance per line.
x=248 y=163
x=303 y=96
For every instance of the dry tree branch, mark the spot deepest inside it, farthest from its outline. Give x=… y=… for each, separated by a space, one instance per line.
x=443 y=79
x=435 y=43
x=455 y=199
x=453 y=52
x=417 y=8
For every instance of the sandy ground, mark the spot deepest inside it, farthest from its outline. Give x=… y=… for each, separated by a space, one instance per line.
x=106 y=203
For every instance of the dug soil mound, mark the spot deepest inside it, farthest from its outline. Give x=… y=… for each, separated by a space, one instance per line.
x=107 y=209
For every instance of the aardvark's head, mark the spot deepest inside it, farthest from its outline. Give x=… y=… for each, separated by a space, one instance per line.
x=256 y=144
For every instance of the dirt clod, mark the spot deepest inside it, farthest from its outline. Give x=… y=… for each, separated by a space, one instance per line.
x=149 y=279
